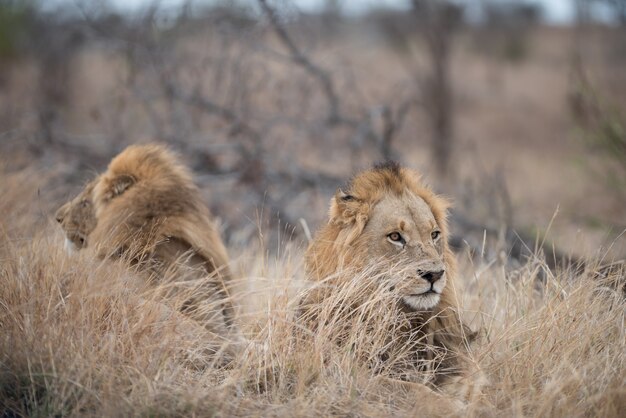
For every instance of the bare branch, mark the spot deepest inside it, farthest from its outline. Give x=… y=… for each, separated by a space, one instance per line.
x=322 y=76
x=201 y=102
x=391 y=126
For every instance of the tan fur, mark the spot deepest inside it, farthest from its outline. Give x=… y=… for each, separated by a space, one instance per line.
x=148 y=211
x=355 y=241
x=78 y=218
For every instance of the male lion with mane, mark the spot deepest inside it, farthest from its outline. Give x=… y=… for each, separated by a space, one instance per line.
x=146 y=209
x=390 y=228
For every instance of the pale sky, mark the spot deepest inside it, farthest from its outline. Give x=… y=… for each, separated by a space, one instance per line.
x=555 y=11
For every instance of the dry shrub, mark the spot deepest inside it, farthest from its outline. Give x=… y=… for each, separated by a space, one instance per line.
x=21 y=204
x=79 y=339
x=556 y=349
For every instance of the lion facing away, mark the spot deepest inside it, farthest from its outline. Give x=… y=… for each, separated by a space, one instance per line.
x=387 y=226
x=146 y=209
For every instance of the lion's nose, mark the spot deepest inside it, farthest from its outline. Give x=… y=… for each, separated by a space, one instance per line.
x=431 y=276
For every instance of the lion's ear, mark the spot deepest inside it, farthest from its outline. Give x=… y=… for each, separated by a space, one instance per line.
x=337 y=205
x=343 y=207
x=118 y=185
x=350 y=213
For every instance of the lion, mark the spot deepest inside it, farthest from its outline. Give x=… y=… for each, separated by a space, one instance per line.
x=388 y=226
x=146 y=210
x=78 y=218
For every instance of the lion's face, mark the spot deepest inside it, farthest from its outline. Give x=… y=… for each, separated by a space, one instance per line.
x=405 y=243
x=391 y=225
x=78 y=219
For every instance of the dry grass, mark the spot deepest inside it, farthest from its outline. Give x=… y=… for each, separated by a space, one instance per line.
x=80 y=337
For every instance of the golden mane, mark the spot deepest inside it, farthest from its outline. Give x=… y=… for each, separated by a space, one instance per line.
x=148 y=192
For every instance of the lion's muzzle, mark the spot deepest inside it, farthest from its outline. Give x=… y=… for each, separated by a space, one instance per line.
x=431 y=276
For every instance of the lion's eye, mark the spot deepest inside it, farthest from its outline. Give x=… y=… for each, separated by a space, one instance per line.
x=396 y=238
x=435 y=234
x=84 y=203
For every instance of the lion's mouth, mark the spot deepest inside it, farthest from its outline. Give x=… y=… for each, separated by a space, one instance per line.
x=427 y=292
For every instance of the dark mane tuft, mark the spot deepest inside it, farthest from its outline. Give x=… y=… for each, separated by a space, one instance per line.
x=391 y=166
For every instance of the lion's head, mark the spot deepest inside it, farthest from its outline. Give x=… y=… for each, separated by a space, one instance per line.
x=147 y=211
x=77 y=218
x=388 y=222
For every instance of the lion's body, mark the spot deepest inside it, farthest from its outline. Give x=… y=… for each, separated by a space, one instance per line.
x=388 y=225
x=149 y=212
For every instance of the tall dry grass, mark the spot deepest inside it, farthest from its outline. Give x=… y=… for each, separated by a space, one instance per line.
x=82 y=337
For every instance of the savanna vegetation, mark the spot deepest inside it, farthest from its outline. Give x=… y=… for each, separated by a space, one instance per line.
x=521 y=124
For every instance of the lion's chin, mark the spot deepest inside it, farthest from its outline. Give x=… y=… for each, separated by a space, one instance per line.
x=70 y=247
x=422 y=302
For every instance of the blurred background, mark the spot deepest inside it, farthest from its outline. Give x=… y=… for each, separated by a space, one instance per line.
x=516 y=110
